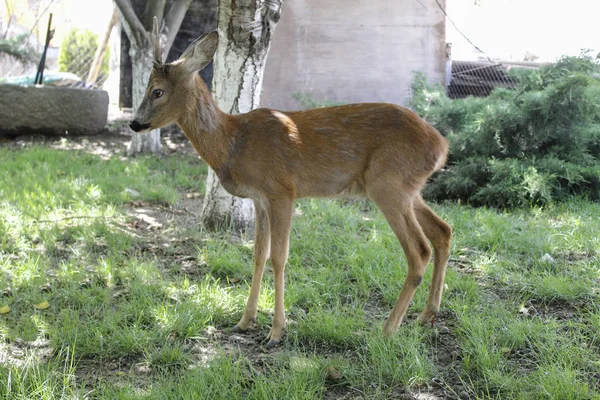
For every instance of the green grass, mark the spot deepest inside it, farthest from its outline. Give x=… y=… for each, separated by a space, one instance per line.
x=137 y=313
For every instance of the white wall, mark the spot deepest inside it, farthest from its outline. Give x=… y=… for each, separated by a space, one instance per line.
x=353 y=50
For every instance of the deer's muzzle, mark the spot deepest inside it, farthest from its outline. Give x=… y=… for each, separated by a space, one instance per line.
x=137 y=127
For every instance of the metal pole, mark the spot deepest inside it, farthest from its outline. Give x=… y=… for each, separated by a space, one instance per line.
x=39 y=76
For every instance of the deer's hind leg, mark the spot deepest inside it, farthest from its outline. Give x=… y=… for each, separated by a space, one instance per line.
x=439 y=232
x=397 y=204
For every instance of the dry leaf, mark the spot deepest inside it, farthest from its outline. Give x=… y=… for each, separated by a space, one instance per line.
x=42 y=306
x=4 y=310
x=333 y=374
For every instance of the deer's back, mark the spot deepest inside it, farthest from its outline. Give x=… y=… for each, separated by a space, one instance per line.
x=328 y=151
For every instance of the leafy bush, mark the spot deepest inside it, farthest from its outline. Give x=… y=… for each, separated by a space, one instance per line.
x=77 y=54
x=534 y=145
x=308 y=101
x=19 y=48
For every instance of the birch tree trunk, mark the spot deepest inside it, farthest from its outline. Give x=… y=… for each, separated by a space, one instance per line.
x=246 y=28
x=137 y=23
x=141 y=65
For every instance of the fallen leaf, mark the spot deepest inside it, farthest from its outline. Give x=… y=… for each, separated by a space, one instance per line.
x=4 y=310
x=333 y=374
x=42 y=306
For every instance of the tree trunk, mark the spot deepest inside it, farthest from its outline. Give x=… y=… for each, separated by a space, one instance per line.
x=141 y=64
x=246 y=27
x=141 y=52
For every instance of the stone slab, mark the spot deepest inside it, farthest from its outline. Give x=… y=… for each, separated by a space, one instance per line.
x=51 y=110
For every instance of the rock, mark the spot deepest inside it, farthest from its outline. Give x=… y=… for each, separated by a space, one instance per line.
x=51 y=110
x=463 y=395
x=46 y=287
x=547 y=258
x=523 y=310
x=132 y=192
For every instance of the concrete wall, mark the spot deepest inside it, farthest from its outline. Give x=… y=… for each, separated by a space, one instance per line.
x=353 y=50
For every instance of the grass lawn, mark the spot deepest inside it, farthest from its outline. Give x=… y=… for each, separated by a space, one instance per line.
x=110 y=289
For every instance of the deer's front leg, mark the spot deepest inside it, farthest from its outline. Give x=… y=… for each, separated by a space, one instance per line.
x=262 y=242
x=280 y=216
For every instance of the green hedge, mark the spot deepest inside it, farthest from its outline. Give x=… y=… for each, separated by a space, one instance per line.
x=534 y=145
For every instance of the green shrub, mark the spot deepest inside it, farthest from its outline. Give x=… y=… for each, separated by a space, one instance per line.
x=19 y=48
x=77 y=54
x=534 y=145
x=308 y=101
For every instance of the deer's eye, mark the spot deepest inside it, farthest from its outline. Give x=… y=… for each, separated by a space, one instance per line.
x=157 y=93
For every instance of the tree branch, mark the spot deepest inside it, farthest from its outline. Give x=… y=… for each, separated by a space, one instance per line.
x=173 y=22
x=10 y=15
x=37 y=20
x=135 y=30
x=154 y=8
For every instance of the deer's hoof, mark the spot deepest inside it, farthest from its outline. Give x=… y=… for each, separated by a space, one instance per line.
x=272 y=344
x=426 y=317
x=238 y=329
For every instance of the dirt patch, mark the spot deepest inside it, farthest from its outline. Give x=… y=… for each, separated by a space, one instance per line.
x=557 y=310
x=19 y=351
x=135 y=371
x=169 y=233
x=573 y=257
x=446 y=353
x=121 y=372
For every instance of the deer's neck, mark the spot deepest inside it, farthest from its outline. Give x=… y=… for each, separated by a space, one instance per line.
x=210 y=130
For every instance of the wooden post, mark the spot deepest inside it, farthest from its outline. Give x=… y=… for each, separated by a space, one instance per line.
x=101 y=50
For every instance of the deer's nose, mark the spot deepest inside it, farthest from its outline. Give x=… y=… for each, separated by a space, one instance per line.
x=136 y=126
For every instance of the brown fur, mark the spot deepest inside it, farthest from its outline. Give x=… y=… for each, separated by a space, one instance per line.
x=381 y=151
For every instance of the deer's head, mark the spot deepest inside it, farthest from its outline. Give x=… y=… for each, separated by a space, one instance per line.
x=169 y=84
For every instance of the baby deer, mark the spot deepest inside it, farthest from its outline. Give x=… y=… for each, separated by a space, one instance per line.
x=382 y=151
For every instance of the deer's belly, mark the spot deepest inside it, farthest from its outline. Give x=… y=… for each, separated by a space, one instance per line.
x=343 y=187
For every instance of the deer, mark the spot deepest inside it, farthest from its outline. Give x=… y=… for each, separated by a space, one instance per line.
x=380 y=151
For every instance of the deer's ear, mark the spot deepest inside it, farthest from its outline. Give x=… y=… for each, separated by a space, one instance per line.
x=200 y=52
